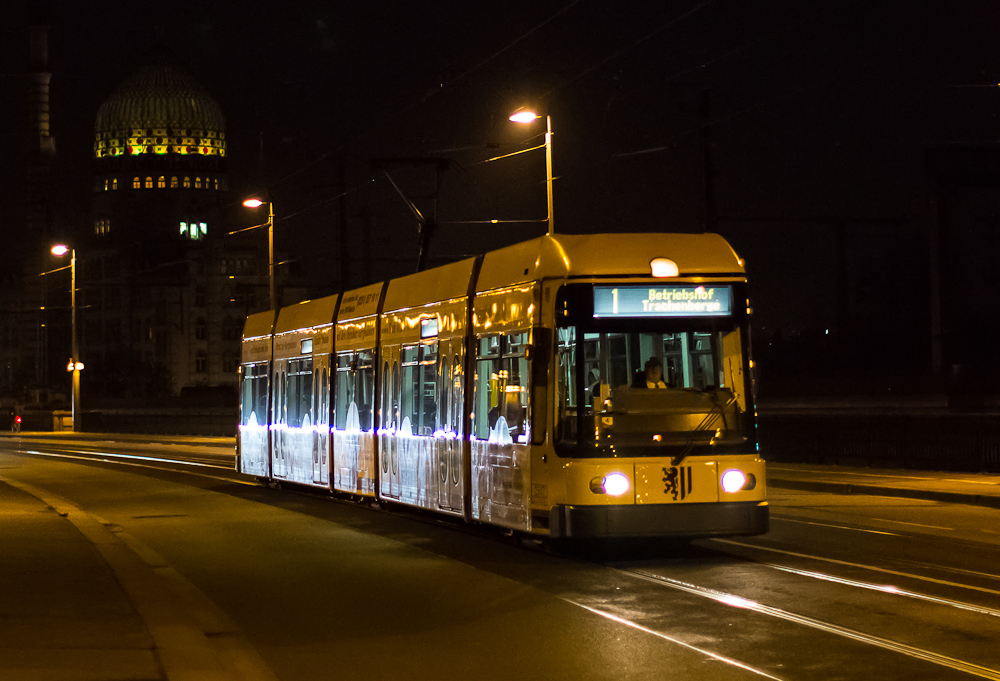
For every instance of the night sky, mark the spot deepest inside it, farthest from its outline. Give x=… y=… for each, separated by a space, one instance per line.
x=805 y=115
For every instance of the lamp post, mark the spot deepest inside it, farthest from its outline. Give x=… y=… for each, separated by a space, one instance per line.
x=75 y=365
x=257 y=203
x=531 y=117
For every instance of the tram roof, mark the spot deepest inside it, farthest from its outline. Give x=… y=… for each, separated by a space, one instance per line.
x=259 y=324
x=305 y=314
x=360 y=302
x=624 y=255
x=446 y=282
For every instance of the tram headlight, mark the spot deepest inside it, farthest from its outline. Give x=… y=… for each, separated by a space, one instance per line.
x=737 y=481
x=615 y=484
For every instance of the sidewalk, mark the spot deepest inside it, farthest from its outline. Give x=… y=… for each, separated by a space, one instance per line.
x=976 y=489
x=83 y=600
x=62 y=614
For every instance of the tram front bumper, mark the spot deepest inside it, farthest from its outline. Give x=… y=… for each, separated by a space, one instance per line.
x=660 y=520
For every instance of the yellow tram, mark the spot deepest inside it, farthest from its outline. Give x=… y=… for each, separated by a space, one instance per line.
x=569 y=386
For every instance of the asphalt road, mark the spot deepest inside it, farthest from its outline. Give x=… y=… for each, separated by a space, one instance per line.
x=298 y=586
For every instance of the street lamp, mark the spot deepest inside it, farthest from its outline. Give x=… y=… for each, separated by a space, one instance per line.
x=257 y=203
x=75 y=365
x=531 y=117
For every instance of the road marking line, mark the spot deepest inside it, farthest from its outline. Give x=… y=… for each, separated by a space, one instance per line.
x=838 y=527
x=903 y=522
x=792 y=519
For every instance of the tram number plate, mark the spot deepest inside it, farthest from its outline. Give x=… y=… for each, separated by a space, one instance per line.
x=677 y=482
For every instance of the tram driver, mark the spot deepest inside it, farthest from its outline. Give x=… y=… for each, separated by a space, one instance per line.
x=652 y=375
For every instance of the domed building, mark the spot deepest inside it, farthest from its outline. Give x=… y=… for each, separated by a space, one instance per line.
x=160 y=154
x=164 y=288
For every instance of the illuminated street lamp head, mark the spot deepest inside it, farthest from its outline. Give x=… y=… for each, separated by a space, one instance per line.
x=524 y=117
x=253 y=203
x=60 y=250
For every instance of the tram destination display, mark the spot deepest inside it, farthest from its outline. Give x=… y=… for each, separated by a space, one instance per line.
x=663 y=301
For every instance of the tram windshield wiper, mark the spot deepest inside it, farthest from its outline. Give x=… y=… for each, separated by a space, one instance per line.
x=717 y=412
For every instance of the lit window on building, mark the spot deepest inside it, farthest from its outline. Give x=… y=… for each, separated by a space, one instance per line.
x=173 y=182
x=217 y=184
x=194 y=230
x=107 y=183
x=197 y=183
x=149 y=182
x=136 y=183
x=114 y=184
x=161 y=183
x=187 y=182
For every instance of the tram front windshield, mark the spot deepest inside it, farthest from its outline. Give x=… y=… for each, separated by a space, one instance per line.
x=647 y=388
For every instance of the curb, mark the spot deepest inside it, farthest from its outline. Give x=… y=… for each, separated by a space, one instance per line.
x=982 y=500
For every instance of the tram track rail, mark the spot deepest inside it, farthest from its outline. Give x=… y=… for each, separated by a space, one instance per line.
x=974 y=605
x=737 y=601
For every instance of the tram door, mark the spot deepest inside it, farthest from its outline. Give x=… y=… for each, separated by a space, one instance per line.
x=450 y=441
x=391 y=428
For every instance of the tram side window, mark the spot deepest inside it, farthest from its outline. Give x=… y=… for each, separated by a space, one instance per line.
x=501 y=388
x=254 y=402
x=419 y=387
x=365 y=392
x=385 y=418
x=355 y=385
x=299 y=393
x=445 y=395
x=321 y=394
x=390 y=417
x=450 y=393
x=280 y=387
x=566 y=388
